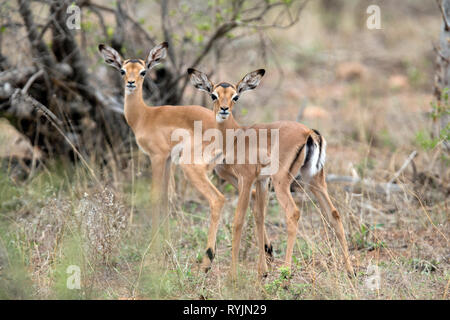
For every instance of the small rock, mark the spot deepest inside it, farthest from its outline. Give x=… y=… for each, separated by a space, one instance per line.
x=315 y=112
x=398 y=81
x=351 y=70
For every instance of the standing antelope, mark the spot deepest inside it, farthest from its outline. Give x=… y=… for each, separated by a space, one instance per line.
x=300 y=150
x=153 y=128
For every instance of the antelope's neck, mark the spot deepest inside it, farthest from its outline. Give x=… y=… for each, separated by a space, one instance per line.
x=230 y=123
x=134 y=107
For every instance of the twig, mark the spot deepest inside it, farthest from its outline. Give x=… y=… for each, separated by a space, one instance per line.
x=30 y=81
x=110 y=10
x=439 y=52
x=371 y=208
x=302 y=110
x=447 y=25
x=167 y=36
x=110 y=103
x=403 y=167
x=222 y=30
x=57 y=125
x=18 y=94
x=39 y=47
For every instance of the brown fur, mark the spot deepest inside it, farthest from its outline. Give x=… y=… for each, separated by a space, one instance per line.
x=292 y=137
x=152 y=127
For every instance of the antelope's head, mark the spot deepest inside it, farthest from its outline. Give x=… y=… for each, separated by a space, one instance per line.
x=224 y=94
x=133 y=71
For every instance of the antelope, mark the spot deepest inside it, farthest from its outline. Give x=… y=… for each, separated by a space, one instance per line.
x=300 y=151
x=153 y=128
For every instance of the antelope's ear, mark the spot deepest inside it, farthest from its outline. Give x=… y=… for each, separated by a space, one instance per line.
x=111 y=56
x=250 y=81
x=200 y=80
x=157 y=54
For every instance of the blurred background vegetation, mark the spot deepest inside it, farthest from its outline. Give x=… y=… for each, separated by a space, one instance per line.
x=74 y=187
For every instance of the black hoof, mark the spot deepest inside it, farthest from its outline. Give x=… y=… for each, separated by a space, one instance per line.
x=269 y=253
x=352 y=274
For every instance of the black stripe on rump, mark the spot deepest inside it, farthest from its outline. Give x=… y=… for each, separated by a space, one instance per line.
x=296 y=158
x=320 y=147
x=309 y=144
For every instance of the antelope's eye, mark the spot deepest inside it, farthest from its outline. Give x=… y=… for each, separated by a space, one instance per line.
x=235 y=98
x=142 y=73
x=213 y=96
x=122 y=72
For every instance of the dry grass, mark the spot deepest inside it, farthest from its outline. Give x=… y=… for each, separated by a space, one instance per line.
x=62 y=217
x=47 y=233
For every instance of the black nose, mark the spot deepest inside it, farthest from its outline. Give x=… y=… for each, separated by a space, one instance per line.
x=224 y=108
x=131 y=82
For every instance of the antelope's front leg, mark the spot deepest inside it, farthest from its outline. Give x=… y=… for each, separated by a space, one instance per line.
x=197 y=174
x=156 y=191
x=238 y=222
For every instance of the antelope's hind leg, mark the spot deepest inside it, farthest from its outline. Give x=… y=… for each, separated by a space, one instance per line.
x=245 y=185
x=320 y=191
x=282 y=185
x=259 y=213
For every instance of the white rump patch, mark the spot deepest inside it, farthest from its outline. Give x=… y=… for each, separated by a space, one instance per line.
x=314 y=164
x=323 y=154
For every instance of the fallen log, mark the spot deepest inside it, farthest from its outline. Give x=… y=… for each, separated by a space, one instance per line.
x=378 y=187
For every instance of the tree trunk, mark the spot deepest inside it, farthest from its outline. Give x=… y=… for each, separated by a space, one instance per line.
x=442 y=78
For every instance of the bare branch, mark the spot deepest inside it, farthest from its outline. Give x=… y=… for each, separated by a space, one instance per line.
x=31 y=80
x=88 y=3
x=38 y=46
x=165 y=28
x=444 y=17
x=377 y=187
x=403 y=167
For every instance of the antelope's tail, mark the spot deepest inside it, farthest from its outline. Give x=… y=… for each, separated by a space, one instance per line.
x=315 y=154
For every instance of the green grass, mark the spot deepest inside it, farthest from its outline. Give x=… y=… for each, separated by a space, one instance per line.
x=35 y=267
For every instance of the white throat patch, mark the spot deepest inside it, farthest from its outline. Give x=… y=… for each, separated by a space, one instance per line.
x=219 y=118
x=129 y=90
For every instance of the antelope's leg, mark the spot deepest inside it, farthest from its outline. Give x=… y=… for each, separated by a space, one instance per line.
x=320 y=191
x=156 y=190
x=268 y=248
x=164 y=210
x=197 y=174
x=282 y=191
x=228 y=176
x=259 y=212
x=238 y=221
x=225 y=174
